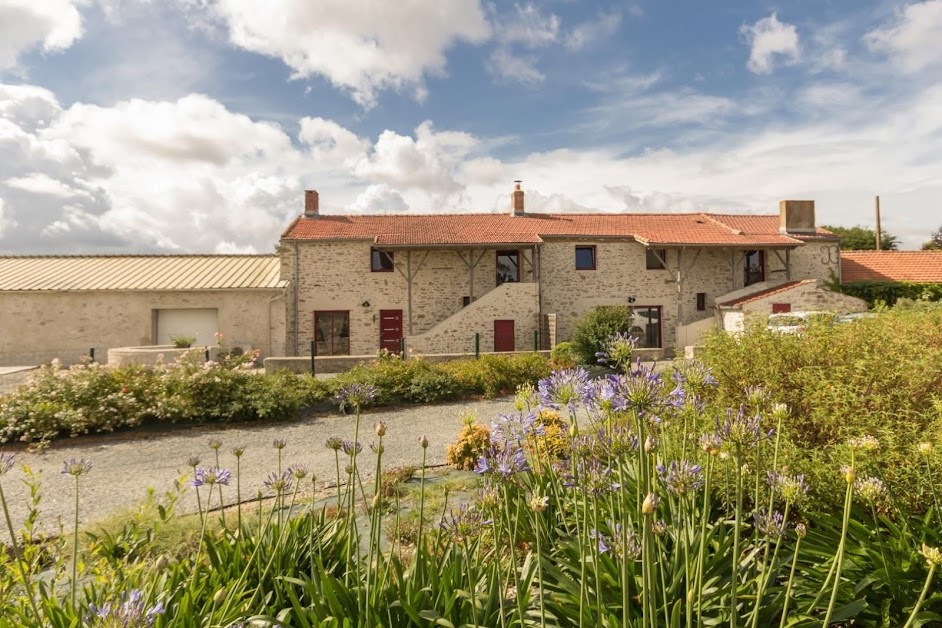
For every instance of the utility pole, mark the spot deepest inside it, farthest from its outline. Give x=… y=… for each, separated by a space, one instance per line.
x=879 y=232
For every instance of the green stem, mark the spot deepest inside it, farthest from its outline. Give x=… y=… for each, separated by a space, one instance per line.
x=19 y=558
x=839 y=559
x=922 y=598
x=420 y=543
x=75 y=544
x=701 y=550
x=539 y=567
x=222 y=504
x=767 y=569
x=239 y=493
x=734 y=585
x=788 y=587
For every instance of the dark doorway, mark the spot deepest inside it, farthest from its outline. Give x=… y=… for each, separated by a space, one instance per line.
x=508 y=267
x=390 y=330
x=503 y=335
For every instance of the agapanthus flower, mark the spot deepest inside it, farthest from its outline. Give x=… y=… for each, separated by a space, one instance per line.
x=613 y=443
x=870 y=488
x=711 y=443
x=423 y=441
x=681 y=477
x=502 y=462
x=625 y=543
x=214 y=444
x=659 y=527
x=770 y=524
x=616 y=351
x=334 y=442
x=349 y=447
x=539 y=503
x=278 y=482
x=380 y=428
x=279 y=443
x=924 y=448
x=525 y=397
x=933 y=555
x=131 y=612
x=6 y=463
x=848 y=473
x=695 y=377
x=591 y=477
x=193 y=461
x=790 y=488
x=650 y=504
x=356 y=396
x=865 y=444
x=76 y=467
x=238 y=451
x=566 y=388
x=513 y=429
x=211 y=476
x=600 y=539
x=298 y=471
x=756 y=397
x=742 y=429
x=801 y=530
x=465 y=523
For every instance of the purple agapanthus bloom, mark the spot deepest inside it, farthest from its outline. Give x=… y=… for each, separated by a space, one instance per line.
x=76 y=467
x=513 y=429
x=465 y=523
x=334 y=442
x=591 y=477
x=791 y=488
x=567 y=388
x=356 y=396
x=349 y=447
x=211 y=476
x=771 y=524
x=601 y=539
x=502 y=462
x=617 y=350
x=6 y=463
x=130 y=612
x=298 y=471
x=214 y=444
x=278 y=482
x=681 y=477
x=279 y=443
x=625 y=542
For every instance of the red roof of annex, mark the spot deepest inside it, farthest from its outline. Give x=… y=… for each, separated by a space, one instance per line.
x=920 y=266
x=732 y=230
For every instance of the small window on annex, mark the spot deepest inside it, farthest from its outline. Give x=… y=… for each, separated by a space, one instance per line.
x=332 y=333
x=646 y=326
x=585 y=258
x=701 y=301
x=381 y=261
x=655 y=259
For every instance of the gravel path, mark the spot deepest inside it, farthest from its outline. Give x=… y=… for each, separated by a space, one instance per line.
x=125 y=465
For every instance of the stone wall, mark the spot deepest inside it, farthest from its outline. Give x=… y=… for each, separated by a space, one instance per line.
x=336 y=276
x=809 y=297
x=510 y=301
x=39 y=326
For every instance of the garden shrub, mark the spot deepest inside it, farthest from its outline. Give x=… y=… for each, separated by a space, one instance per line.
x=596 y=327
x=889 y=292
x=472 y=442
x=879 y=376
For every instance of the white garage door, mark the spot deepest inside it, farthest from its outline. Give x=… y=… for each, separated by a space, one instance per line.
x=194 y=323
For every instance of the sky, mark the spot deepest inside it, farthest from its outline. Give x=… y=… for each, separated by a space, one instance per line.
x=194 y=126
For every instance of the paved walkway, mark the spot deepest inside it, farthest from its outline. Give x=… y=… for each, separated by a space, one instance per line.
x=125 y=465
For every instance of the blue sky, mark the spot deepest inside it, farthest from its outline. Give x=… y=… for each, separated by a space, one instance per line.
x=195 y=125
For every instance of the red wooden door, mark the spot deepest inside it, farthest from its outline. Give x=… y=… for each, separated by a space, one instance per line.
x=390 y=330
x=503 y=335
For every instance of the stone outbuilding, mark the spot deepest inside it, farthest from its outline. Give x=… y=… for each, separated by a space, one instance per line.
x=66 y=306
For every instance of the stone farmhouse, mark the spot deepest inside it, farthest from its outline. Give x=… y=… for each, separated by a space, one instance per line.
x=435 y=284
x=519 y=280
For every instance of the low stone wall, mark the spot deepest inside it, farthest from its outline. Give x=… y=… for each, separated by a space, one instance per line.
x=341 y=363
x=148 y=356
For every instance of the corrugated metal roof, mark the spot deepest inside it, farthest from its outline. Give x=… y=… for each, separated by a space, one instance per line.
x=139 y=272
x=470 y=229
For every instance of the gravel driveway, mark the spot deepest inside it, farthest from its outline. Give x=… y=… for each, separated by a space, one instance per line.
x=125 y=465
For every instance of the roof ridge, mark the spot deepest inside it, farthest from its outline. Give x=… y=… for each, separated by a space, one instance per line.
x=133 y=255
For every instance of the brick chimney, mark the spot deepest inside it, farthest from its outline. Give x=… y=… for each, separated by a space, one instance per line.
x=516 y=200
x=796 y=217
x=311 y=204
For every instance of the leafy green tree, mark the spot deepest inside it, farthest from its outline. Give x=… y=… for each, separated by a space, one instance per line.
x=863 y=239
x=935 y=241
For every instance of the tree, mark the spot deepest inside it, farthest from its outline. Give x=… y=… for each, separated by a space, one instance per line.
x=863 y=239
x=935 y=241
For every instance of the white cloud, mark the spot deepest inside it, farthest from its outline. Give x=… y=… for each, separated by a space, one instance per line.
x=4 y=221
x=517 y=34
x=331 y=143
x=359 y=45
x=379 y=199
x=912 y=39
x=770 y=41
x=507 y=66
x=594 y=31
x=39 y=183
x=25 y=24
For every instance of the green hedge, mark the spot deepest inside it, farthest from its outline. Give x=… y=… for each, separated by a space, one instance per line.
x=892 y=291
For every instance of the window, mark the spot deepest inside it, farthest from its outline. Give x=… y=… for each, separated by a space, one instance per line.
x=701 y=301
x=465 y=301
x=781 y=308
x=656 y=259
x=508 y=267
x=381 y=261
x=585 y=258
x=646 y=326
x=754 y=267
x=332 y=333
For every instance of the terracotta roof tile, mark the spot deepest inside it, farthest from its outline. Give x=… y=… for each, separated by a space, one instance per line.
x=477 y=229
x=764 y=294
x=922 y=266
